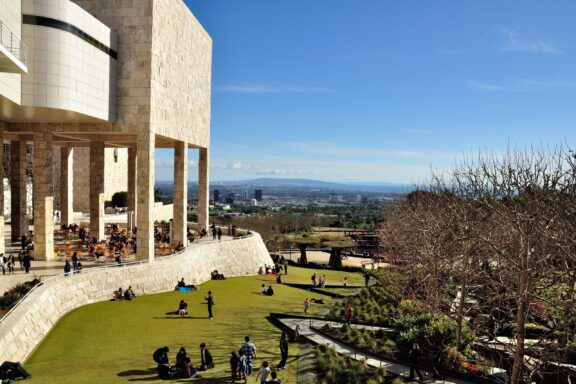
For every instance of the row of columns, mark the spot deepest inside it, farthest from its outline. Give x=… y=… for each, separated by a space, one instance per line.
x=140 y=192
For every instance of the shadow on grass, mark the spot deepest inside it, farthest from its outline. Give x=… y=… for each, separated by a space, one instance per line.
x=179 y=318
x=137 y=372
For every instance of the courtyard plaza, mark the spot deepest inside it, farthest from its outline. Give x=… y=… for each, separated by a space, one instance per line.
x=65 y=244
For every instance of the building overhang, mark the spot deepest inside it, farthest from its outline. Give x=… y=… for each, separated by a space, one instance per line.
x=12 y=52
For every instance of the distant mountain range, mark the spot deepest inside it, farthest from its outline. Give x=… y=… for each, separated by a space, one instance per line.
x=309 y=183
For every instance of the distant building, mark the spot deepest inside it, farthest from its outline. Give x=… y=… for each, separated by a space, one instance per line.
x=216 y=195
x=253 y=202
x=258 y=195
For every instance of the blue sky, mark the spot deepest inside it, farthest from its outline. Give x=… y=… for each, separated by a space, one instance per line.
x=382 y=90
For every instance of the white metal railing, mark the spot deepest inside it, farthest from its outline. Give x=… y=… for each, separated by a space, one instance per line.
x=91 y=270
x=12 y=43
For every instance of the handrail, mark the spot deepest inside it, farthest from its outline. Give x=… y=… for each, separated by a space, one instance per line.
x=14 y=45
x=90 y=270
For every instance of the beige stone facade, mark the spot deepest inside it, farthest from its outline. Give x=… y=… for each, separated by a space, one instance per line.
x=24 y=329
x=134 y=85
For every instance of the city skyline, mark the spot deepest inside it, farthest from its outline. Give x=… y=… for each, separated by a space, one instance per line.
x=382 y=91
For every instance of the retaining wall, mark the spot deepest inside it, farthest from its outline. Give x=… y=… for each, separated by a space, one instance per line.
x=23 y=329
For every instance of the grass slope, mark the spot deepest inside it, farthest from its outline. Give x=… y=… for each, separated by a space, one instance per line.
x=112 y=342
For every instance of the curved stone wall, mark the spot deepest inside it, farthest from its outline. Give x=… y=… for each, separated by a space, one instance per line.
x=23 y=330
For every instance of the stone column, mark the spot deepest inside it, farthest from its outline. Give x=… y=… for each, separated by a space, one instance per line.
x=132 y=183
x=66 y=185
x=43 y=196
x=18 y=201
x=203 y=189
x=180 y=218
x=145 y=196
x=97 y=190
x=2 y=240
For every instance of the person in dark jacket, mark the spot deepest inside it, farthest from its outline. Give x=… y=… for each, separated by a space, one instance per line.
x=210 y=302
x=413 y=356
x=181 y=357
x=12 y=371
x=160 y=356
x=206 y=361
x=26 y=262
x=283 y=350
x=67 y=267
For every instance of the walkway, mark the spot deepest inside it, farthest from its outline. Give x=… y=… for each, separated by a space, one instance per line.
x=396 y=368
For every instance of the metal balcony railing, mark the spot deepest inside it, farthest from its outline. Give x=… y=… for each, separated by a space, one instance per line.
x=12 y=43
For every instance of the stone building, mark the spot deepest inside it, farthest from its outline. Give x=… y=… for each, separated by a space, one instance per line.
x=132 y=75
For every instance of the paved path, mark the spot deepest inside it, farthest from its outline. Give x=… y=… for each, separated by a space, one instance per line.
x=398 y=369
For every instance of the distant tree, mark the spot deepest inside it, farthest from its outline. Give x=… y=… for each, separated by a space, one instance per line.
x=120 y=199
x=302 y=244
x=336 y=248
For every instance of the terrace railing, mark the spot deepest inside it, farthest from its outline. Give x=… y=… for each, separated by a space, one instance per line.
x=12 y=43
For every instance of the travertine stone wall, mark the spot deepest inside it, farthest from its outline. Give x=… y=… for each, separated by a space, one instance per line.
x=97 y=190
x=2 y=241
x=115 y=171
x=180 y=224
x=131 y=189
x=145 y=196
x=181 y=74
x=19 y=224
x=66 y=182
x=21 y=333
x=203 y=186
x=43 y=196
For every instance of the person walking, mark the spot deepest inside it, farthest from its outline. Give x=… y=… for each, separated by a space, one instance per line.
x=67 y=267
x=2 y=266
x=248 y=349
x=413 y=356
x=210 y=302
x=75 y=261
x=306 y=305
x=283 y=350
x=26 y=262
x=349 y=313
x=219 y=234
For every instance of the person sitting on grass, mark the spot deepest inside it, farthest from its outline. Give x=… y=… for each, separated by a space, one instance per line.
x=12 y=371
x=129 y=294
x=182 y=308
x=118 y=295
x=188 y=370
x=263 y=289
x=181 y=357
x=160 y=356
x=269 y=291
x=206 y=358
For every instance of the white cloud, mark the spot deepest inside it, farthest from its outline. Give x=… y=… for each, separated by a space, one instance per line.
x=269 y=88
x=524 y=85
x=517 y=42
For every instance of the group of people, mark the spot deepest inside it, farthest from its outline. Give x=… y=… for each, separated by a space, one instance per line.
x=183 y=367
x=266 y=292
x=12 y=371
x=321 y=283
x=120 y=294
x=8 y=263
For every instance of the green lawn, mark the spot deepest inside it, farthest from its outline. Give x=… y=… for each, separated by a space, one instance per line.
x=302 y=276
x=112 y=342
